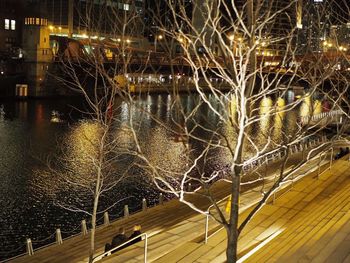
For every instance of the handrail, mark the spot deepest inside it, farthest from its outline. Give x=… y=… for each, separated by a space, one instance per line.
x=109 y=252
x=316 y=117
x=207 y=214
x=207 y=219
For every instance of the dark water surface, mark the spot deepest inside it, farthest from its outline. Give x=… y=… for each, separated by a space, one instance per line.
x=28 y=136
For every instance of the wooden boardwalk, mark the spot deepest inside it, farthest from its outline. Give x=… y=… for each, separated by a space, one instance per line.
x=177 y=232
x=169 y=225
x=311 y=223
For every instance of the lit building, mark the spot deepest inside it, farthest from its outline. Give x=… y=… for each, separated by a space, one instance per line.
x=100 y=17
x=277 y=16
x=323 y=21
x=10 y=27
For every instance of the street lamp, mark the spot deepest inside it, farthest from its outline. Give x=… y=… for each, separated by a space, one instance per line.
x=159 y=38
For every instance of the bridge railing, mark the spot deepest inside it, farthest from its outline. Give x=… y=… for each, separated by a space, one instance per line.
x=319 y=116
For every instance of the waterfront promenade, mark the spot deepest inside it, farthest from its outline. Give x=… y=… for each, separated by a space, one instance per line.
x=309 y=223
x=177 y=233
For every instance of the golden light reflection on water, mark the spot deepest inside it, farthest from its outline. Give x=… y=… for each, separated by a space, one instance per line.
x=317 y=107
x=279 y=119
x=306 y=106
x=232 y=106
x=165 y=153
x=82 y=143
x=264 y=112
x=281 y=103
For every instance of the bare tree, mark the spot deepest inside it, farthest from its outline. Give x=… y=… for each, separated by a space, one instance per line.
x=96 y=68
x=236 y=56
x=239 y=54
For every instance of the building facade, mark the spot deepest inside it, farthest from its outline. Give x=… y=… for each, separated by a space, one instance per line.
x=77 y=18
x=10 y=27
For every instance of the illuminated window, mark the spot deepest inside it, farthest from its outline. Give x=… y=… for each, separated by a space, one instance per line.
x=37 y=22
x=126 y=7
x=13 y=24
x=7 y=24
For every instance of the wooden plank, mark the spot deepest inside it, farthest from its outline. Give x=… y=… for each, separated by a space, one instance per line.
x=178 y=254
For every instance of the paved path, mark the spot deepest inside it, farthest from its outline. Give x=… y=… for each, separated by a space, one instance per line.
x=174 y=228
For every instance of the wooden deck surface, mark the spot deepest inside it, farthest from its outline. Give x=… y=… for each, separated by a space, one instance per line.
x=313 y=218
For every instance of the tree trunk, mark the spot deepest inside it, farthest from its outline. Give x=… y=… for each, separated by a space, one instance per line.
x=93 y=217
x=232 y=233
x=93 y=230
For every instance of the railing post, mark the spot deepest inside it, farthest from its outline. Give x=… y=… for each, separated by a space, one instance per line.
x=331 y=162
x=319 y=167
x=59 y=240
x=144 y=204
x=106 y=219
x=146 y=247
x=161 y=199
x=206 y=228
x=83 y=227
x=126 y=211
x=30 y=250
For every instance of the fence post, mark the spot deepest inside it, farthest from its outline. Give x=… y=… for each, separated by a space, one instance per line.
x=144 y=204
x=146 y=248
x=206 y=228
x=30 y=250
x=161 y=199
x=58 y=236
x=106 y=219
x=319 y=167
x=126 y=211
x=330 y=164
x=83 y=227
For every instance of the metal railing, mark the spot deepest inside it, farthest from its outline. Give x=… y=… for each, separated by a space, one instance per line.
x=274 y=158
x=144 y=237
x=206 y=237
x=330 y=162
x=319 y=116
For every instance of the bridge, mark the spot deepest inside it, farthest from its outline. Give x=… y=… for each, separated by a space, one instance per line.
x=323 y=119
x=115 y=51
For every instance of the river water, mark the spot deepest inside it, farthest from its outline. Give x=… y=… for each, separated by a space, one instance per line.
x=28 y=136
